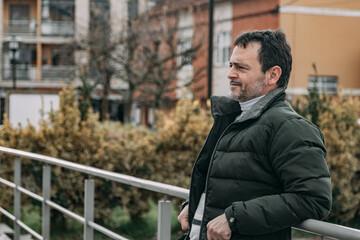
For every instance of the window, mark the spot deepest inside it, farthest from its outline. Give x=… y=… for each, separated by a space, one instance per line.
x=133 y=6
x=19 y=23
x=19 y=12
x=325 y=84
x=63 y=11
x=150 y=4
x=99 y=13
x=222 y=48
x=184 y=45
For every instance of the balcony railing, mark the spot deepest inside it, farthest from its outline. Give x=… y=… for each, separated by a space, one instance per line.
x=20 y=27
x=23 y=72
x=48 y=28
x=321 y=228
x=57 y=73
x=57 y=28
x=49 y=73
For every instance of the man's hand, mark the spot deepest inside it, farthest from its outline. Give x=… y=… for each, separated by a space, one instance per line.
x=218 y=229
x=183 y=218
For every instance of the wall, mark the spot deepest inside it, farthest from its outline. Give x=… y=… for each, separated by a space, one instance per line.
x=201 y=33
x=7 y=3
x=326 y=37
x=254 y=14
x=82 y=17
x=118 y=21
x=185 y=28
x=222 y=13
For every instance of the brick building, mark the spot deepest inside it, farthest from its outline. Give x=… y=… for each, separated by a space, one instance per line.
x=321 y=32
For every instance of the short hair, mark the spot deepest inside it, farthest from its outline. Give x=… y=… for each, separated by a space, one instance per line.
x=274 y=51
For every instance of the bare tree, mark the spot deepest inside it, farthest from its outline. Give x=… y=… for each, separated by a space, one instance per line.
x=99 y=44
x=145 y=55
x=153 y=59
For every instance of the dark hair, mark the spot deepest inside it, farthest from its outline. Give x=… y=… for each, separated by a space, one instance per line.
x=274 y=51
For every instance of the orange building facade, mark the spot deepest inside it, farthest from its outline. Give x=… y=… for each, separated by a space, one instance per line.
x=324 y=33
x=321 y=33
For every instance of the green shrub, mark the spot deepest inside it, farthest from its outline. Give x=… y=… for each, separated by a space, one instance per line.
x=337 y=118
x=165 y=154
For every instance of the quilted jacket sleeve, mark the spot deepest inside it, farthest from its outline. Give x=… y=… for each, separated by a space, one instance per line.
x=297 y=155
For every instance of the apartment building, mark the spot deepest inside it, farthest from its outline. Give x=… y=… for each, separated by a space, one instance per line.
x=322 y=34
x=41 y=31
x=38 y=29
x=230 y=18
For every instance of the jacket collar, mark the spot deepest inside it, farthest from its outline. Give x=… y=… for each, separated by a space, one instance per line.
x=221 y=105
x=262 y=105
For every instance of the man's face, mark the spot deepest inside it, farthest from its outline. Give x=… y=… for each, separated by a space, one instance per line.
x=247 y=81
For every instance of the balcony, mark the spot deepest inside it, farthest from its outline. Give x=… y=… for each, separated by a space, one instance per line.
x=23 y=72
x=57 y=28
x=57 y=73
x=20 y=27
x=49 y=73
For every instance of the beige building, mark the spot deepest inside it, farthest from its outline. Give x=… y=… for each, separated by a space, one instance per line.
x=325 y=33
x=42 y=28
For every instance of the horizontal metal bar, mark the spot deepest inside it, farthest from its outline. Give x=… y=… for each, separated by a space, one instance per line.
x=7 y=214
x=21 y=224
x=21 y=189
x=117 y=177
x=314 y=226
x=30 y=194
x=65 y=211
x=106 y=231
x=329 y=229
x=7 y=183
x=29 y=230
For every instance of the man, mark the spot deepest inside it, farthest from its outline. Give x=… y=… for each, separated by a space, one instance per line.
x=262 y=168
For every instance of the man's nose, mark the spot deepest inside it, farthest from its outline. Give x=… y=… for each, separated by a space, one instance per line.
x=231 y=74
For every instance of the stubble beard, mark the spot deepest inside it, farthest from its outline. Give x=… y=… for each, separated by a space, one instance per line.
x=250 y=91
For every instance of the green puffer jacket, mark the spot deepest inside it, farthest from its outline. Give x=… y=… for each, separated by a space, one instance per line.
x=266 y=170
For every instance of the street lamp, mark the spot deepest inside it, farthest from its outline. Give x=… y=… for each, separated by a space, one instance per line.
x=13 y=46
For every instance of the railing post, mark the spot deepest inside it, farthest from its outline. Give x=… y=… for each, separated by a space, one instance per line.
x=164 y=220
x=17 y=197
x=89 y=209
x=46 y=211
x=0 y=176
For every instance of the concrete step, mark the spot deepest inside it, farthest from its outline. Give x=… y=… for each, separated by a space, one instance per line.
x=3 y=236
x=5 y=229
x=26 y=237
x=6 y=233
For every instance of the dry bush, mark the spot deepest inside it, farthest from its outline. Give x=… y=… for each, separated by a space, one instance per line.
x=165 y=154
x=337 y=119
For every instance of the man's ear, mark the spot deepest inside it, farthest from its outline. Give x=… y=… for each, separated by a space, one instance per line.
x=274 y=75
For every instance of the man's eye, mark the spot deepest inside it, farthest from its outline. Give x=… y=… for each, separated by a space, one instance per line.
x=241 y=67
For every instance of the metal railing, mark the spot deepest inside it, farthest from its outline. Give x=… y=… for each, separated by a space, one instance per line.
x=321 y=228
x=56 y=73
x=22 y=72
x=48 y=28
x=20 y=27
x=48 y=72
x=57 y=28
